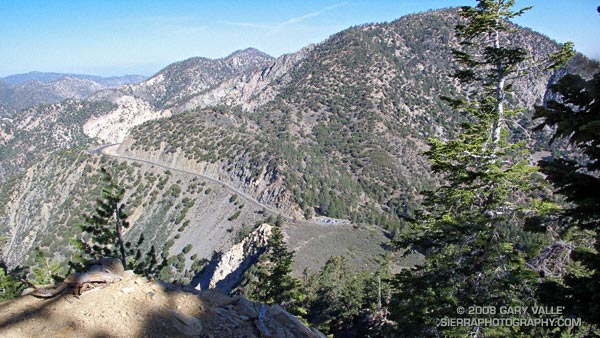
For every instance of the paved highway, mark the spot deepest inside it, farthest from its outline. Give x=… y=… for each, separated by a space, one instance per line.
x=248 y=198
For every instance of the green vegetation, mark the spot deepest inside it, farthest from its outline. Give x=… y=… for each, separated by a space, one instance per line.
x=472 y=226
x=174 y=190
x=242 y=233
x=346 y=131
x=344 y=302
x=10 y=281
x=270 y=282
x=234 y=216
x=337 y=299
x=45 y=271
x=10 y=284
x=575 y=117
x=343 y=137
x=103 y=235
x=60 y=127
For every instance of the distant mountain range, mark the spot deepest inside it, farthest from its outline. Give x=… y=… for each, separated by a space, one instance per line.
x=111 y=81
x=337 y=129
x=21 y=91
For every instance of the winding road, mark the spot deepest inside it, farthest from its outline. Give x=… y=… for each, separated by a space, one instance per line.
x=103 y=150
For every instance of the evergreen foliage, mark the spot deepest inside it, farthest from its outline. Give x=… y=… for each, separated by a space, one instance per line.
x=103 y=234
x=45 y=270
x=470 y=227
x=346 y=303
x=10 y=284
x=10 y=281
x=105 y=227
x=575 y=116
x=270 y=281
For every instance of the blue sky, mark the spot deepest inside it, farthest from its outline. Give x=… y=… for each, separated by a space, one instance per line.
x=111 y=37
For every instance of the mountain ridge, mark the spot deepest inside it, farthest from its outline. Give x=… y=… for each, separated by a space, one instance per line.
x=384 y=77
x=107 y=81
x=336 y=129
x=22 y=91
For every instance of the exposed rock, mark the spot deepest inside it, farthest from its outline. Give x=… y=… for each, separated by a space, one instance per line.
x=341 y=124
x=250 y=90
x=264 y=188
x=148 y=309
x=230 y=268
x=168 y=90
x=114 y=126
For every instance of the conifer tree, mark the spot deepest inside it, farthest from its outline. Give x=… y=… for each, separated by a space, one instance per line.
x=272 y=282
x=11 y=283
x=466 y=227
x=575 y=116
x=45 y=270
x=337 y=297
x=103 y=231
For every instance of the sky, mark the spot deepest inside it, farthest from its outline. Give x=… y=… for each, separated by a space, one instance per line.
x=116 y=37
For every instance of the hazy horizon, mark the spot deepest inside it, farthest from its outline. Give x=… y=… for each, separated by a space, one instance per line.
x=140 y=38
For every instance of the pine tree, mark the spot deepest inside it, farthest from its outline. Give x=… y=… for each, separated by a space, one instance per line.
x=45 y=270
x=576 y=117
x=10 y=283
x=337 y=297
x=102 y=234
x=467 y=226
x=272 y=282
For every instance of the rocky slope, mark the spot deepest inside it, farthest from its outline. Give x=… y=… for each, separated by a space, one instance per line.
x=227 y=271
x=166 y=206
x=250 y=90
x=27 y=90
x=32 y=134
x=137 y=307
x=169 y=90
x=198 y=225
x=337 y=129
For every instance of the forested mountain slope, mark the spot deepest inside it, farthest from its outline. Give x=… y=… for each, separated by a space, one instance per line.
x=344 y=132
x=336 y=129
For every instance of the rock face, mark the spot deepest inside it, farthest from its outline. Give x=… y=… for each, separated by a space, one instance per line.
x=137 y=307
x=250 y=90
x=114 y=126
x=338 y=128
x=200 y=80
x=227 y=272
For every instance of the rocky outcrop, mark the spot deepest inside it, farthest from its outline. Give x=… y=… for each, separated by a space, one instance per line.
x=248 y=78
x=171 y=90
x=250 y=90
x=138 y=307
x=114 y=126
x=180 y=81
x=227 y=272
